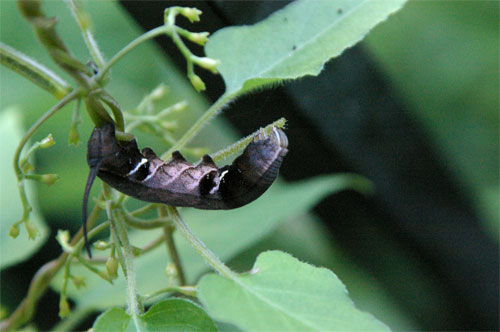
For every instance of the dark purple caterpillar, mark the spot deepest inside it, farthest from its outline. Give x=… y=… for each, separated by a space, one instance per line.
x=177 y=182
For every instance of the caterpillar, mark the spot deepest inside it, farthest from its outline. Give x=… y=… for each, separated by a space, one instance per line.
x=144 y=176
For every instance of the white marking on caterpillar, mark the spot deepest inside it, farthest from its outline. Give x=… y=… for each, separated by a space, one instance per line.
x=139 y=164
x=222 y=175
x=277 y=135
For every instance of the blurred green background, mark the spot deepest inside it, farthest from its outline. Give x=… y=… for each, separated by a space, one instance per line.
x=442 y=56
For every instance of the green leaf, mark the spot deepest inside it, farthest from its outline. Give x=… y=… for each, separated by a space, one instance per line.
x=168 y=315
x=21 y=248
x=226 y=233
x=283 y=294
x=293 y=42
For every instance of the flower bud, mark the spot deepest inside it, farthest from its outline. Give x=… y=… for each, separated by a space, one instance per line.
x=171 y=271
x=159 y=92
x=73 y=136
x=49 y=179
x=180 y=106
x=64 y=310
x=112 y=267
x=26 y=166
x=192 y=14
x=169 y=125
x=208 y=63
x=32 y=230
x=136 y=251
x=14 y=231
x=47 y=142
x=79 y=282
x=101 y=245
x=63 y=238
x=197 y=83
x=199 y=38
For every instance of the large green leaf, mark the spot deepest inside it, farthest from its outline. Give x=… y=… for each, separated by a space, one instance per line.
x=309 y=240
x=15 y=250
x=225 y=232
x=294 y=41
x=169 y=315
x=283 y=294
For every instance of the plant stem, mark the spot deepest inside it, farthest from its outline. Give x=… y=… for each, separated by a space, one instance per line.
x=19 y=173
x=174 y=255
x=68 y=98
x=209 y=114
x=133 y=44
x=33 y=71
x=143 y=209
x=199 y=246
x=126 y=258
x=83 y=23
x=143 y=223
x=94 y=270
x=94 y=231
x=242 y=143
x=172 y=249
x=185 y=290
x=133 y=302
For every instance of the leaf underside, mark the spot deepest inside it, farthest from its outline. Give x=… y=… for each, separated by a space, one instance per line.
x=294 y=41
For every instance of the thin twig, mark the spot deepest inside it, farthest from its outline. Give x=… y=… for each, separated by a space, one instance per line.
x=171 y=248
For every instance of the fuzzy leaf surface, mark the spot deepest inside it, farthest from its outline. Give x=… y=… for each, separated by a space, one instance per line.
x=283 y=294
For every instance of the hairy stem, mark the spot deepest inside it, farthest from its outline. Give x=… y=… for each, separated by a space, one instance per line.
x=242 y=143
x=125 y=256
x=199 y=246
x=143 y=223
x=185 y=290
x=83 y=23
x=172 y=249
x=33 y=71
